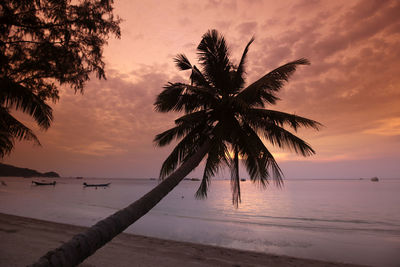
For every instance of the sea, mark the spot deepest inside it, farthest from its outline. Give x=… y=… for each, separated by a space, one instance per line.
x=350 y=221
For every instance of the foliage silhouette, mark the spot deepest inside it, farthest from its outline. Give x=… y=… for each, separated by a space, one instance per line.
x=220 y=109
x=221 y=116
x=44 y=44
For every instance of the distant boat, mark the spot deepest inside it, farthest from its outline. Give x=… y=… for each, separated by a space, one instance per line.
x=243 y=179
x=96 y=185
x=41 y=183
x=191 y=179
x=374 y=179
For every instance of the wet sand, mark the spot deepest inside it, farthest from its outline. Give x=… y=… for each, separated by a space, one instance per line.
x=24 y=240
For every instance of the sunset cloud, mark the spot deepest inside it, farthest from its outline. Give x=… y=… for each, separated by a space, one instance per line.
x=352 y=86
x=387 y=127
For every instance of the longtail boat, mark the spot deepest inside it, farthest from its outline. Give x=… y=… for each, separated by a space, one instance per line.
x=96 y=185
x=41 y=183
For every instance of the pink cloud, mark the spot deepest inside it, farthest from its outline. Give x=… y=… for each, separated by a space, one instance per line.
x=352 y=85
x=247 y=28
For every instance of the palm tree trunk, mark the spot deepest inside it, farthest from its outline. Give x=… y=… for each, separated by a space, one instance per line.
x=85 y=244
x=235 y=180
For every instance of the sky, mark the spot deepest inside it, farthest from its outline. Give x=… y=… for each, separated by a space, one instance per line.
x=352 y=86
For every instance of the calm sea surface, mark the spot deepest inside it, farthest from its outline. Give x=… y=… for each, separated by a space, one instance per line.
x=354 y=221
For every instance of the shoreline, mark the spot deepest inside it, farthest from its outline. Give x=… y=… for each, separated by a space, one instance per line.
x=24 y=240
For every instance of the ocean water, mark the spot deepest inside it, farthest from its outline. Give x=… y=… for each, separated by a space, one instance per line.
x=352 y=221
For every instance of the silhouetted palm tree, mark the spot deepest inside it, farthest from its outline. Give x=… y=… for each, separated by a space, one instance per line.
x=229 y=118
x=222 y=118
x=13 y=95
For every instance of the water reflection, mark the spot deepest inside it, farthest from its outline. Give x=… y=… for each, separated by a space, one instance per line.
x=347 y=221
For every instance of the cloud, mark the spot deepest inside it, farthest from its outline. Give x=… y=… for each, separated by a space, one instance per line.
x=386 y=127
x=352 y=85
x=117 y=110
x=95 y=148
x=185 y=22
x=224 y=5
x=356 y=26
x=247 y=28
x=112 y=120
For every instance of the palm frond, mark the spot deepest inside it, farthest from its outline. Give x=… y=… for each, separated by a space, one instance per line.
x=6 y=143
x=214 y=57
x=266 y=165
x=167 y=100
x=259 y=100
x=195 y=99
x=260 y=116
x=183 y=150
x=180 y=96
x=285 y=139
x=167 y=136
x=21 y=98
x=10 y=130
x=264 y=88
x=15 y=128
x=183 y=126
x=192 y=118
x=216 y=155
x=205 y=93
x=198 y=78
x=182 y=62
x=239 y=79
x=259 y=161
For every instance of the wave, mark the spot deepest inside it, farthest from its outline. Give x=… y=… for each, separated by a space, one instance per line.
x=298 y=226
x=298 y=223
x=354 y=221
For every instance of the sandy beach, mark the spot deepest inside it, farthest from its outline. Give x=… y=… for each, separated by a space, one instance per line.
x=24 y=240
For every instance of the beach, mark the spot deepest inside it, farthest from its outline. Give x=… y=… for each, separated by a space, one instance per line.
x=24 y=240
x=304 y=220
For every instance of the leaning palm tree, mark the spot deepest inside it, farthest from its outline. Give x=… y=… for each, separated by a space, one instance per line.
x=228 y=118
x=222 y=122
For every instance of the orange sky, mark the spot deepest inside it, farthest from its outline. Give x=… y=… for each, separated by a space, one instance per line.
x=352 y=86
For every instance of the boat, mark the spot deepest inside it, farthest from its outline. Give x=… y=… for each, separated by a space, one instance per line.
x=243 y=179
x=96 y=185
x=42 y=183
x=191 y=179
x=375 y=179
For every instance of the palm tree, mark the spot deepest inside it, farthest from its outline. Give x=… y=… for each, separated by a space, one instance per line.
x=223 y=120
x=229 y=118
x=21 y=98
